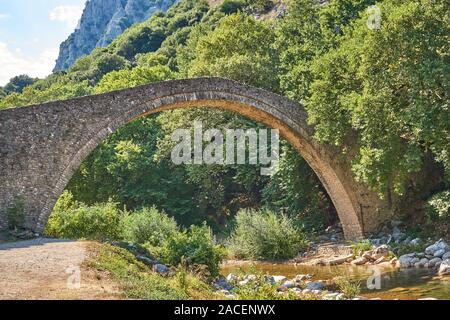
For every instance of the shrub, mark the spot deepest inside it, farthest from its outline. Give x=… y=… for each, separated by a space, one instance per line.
x=78 y=221
x=193 y=247
x=148 y=226
x=349 y=288
x=361 y=246
x=438 y=207
x=266 y=235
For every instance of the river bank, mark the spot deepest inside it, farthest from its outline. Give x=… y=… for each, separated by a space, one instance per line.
x=374 y=273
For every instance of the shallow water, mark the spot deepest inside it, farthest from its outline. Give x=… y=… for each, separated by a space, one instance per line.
x=403 y=284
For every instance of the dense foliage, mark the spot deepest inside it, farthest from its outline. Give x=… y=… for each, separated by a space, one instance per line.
x=193 y=247
x=381 y=92
x=148 y=226
x=266 y=235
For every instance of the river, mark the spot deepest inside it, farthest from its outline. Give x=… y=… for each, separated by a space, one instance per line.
x=403 y=284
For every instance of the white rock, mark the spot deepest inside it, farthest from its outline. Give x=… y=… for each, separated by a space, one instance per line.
x=244 y=282
x=279 y=279
x=444 y=267
x=289 y=284
x=296 y=290
x=250 y=277
x=232 y=277
x=340 y=296
x=306 y=291
x=331 y=296
x=359 y=261
x=302 y=277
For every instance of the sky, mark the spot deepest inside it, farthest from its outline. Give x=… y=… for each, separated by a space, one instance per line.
x=31 y=32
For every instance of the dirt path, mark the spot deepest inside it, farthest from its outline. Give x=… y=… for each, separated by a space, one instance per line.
x=49 y=269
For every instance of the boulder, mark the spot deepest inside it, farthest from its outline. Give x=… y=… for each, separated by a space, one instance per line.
x=161 y=268
x=244 y=282
x=222 y=285
x=446 y=255
x=439 y=245
x=232 y=277
x=250 y=277
x=380 y=260
x=269 y=279
x=433 y=262
x=405 y=261
x=338 y=260
x=444 y=268
x=415 y=241
x=367 y=255
x=278 y=279
x=359 y=261
x=146 y=260
x=289 y=284
x=395 y=262
x=302 y=277
x=421 y=263
x=306 y=291
x=315 y=285
x=439 y=253
x=331 y=296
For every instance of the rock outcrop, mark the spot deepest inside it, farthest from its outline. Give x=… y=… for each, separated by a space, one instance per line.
x=103 y=21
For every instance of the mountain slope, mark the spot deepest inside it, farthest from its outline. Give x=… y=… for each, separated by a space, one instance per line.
x=103 y=21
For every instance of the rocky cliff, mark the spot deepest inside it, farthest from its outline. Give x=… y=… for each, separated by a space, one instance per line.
x=102 y=21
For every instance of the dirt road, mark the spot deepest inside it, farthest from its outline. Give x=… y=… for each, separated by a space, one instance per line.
x=50 y=269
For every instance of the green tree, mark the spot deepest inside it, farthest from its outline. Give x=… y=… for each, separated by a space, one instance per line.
x=394 y=97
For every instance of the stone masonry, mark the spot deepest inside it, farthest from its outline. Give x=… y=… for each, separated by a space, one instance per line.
x=41 y=146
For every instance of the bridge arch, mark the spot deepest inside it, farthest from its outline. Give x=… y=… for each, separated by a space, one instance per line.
x=42 y=146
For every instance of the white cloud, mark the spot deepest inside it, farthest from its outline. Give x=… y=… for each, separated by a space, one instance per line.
x=4 y=16
x=67 y=14
x=13 y=63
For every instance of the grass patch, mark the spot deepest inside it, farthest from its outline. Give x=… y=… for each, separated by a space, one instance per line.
x=349 y=288
x=138 y=281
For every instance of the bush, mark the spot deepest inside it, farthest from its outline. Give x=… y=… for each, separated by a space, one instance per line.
x=360 y=247
x=78 y=221
x=266 y=235
x=148 y=226
x=193 y=247
x=349 y=288
x=438 y=207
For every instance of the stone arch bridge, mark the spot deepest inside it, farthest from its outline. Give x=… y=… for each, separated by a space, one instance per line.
x=41 y=146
